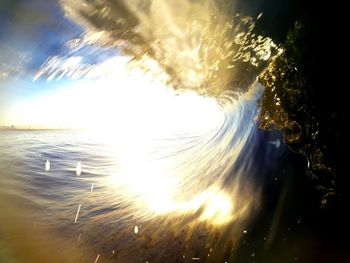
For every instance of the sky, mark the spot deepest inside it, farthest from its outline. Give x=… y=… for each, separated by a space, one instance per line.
x=31 y=31
x=37 y=41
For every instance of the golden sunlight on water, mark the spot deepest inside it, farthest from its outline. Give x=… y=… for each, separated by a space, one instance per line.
x=164 y=124
x=172 y=156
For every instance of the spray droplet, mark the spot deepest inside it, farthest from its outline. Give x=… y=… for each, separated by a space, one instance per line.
x=77 y=215
x=136 y=229
x=78 y=169
x=98 y=256
x=47 y=166
x=92 y=188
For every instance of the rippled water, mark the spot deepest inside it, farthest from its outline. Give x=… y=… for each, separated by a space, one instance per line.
x=120 y=211
x=169 y=174
x=45 y=203
x=180 y=186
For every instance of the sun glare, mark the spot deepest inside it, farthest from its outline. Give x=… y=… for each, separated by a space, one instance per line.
x=157 y=134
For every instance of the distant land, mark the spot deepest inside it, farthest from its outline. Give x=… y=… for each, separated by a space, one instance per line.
x=33 y=128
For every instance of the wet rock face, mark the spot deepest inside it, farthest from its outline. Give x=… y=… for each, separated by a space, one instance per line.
x=292 y=102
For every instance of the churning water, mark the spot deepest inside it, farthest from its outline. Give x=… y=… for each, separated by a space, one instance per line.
x=162 y=170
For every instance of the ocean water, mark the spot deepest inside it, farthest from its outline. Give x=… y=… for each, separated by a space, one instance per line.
x=59 y=214
x=222 y=195
x=39 y=220
x=175 y=176
x=39 y=207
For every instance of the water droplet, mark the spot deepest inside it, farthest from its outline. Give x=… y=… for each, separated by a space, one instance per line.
x=47 y=166
x=77 y=215
x=98 y=256
x=78 y=169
